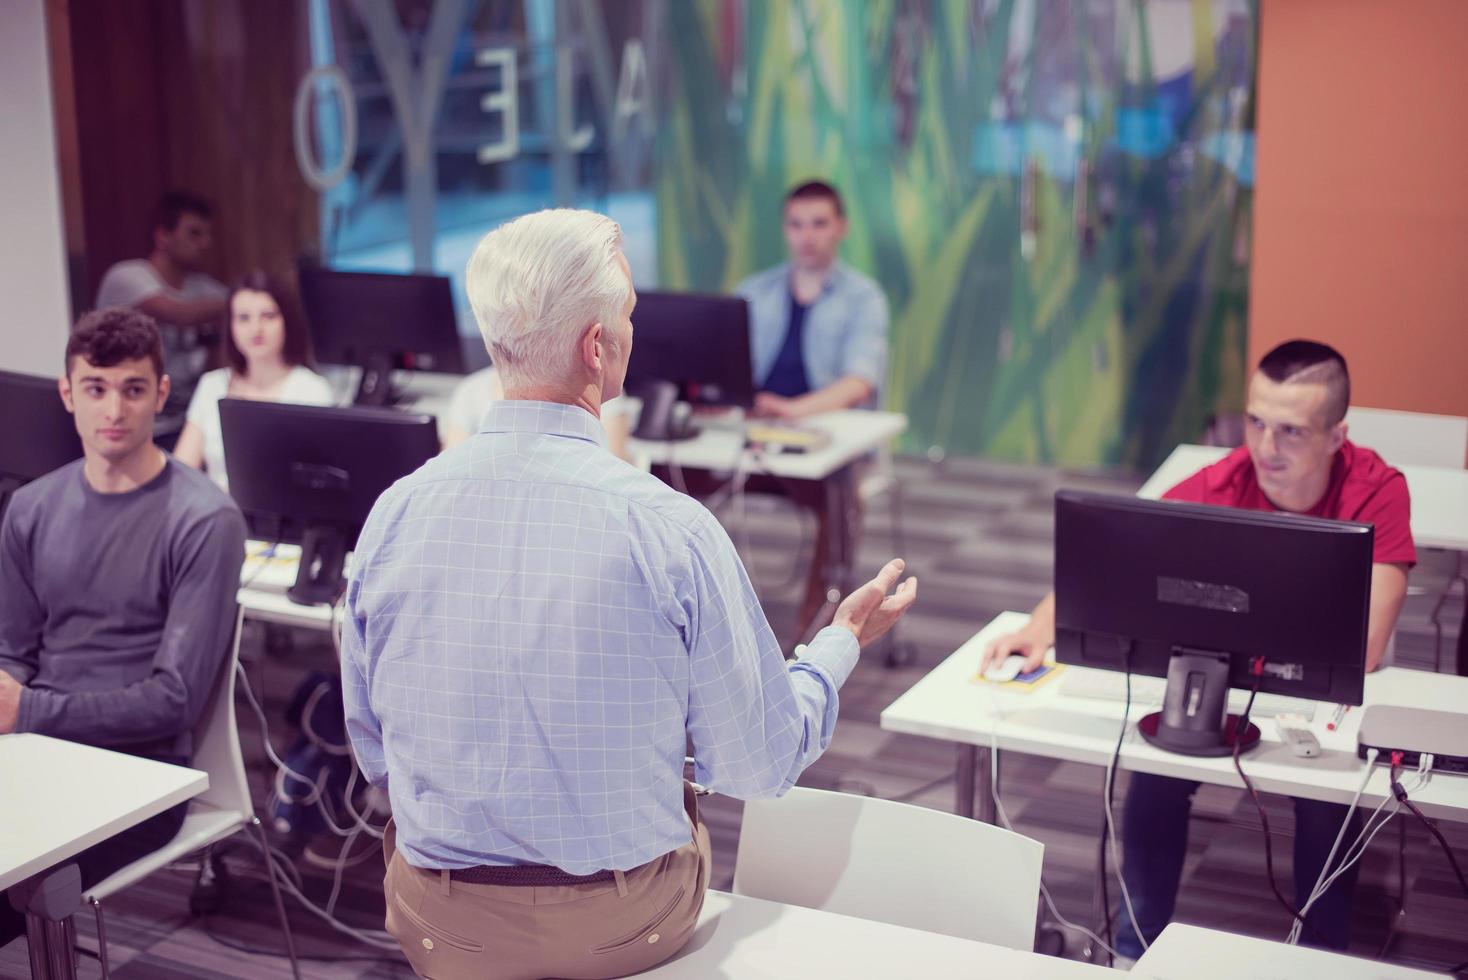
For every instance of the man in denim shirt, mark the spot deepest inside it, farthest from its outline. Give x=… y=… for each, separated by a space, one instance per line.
x=818 y=336
x=818 y=329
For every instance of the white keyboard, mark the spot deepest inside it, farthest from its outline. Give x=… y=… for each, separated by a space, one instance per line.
x=1110 y=685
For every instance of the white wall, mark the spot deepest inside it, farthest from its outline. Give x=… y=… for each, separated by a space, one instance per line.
x=35 y=312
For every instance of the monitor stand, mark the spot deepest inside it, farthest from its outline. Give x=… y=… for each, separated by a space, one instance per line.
x=658 y=422
x=1194 y=719
x=319 y=578
x=375 y=388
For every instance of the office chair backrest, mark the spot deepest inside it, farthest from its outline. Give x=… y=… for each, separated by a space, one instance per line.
x=217 y=740
x=891 y=862
x=1411 y=438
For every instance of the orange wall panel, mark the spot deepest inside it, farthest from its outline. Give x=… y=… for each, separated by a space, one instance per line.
x=1361 y=209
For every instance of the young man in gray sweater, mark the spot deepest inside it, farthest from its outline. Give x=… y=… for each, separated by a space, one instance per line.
x=118 y=575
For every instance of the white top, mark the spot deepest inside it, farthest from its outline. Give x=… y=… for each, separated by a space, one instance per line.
x=743 y=938
x=58 y=798
x=1184 y=951
x=302 y=387
x=1439 y=494
x=472 y=397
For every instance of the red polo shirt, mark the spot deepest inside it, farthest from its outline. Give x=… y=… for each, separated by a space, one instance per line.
x=1362 y=488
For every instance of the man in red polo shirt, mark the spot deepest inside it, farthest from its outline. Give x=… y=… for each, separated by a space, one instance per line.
x=1296 y=459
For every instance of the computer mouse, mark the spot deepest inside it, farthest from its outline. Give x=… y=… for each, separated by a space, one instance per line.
x=1005 y=670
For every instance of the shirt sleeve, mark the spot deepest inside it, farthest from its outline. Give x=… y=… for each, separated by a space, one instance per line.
x=127 y=284
x=312 y=389
x=206 y=399
x=364 y=729
x=755 y=721
x=196 y=636
x=865 y=353
x=21 y=615
x=1390 y=510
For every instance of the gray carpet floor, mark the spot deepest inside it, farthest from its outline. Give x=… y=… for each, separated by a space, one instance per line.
x=979 y=535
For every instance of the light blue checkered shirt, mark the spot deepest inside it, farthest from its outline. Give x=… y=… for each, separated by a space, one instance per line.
x=533 y=627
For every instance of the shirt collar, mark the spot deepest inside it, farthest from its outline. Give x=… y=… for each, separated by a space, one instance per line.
x=833 y=280
x=544 y=418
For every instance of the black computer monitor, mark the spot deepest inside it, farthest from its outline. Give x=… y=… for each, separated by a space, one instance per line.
x=383 y=321
x=688 y=347
x=1207 y=597
x=38 y=435
x=310 y=474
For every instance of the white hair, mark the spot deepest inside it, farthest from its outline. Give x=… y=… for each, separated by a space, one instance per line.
x=537 y=282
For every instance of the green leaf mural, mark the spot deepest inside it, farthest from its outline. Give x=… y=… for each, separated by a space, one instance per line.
x=1119 y=134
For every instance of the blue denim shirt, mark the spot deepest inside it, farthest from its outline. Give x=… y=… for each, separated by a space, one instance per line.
x=845 y=330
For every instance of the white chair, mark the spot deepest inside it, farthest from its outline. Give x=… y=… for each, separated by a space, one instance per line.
x=891 y=862
x=1417 y=439
x=1411 y=438
x=219 y=812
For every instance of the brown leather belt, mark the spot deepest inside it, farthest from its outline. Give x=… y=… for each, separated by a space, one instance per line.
x=526 y=876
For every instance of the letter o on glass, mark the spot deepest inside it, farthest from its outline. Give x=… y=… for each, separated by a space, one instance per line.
x=305 y=157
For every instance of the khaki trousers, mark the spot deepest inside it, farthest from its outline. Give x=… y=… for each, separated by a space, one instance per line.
x=454 y=929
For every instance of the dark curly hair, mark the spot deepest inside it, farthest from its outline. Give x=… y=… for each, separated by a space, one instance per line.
x=109 y=337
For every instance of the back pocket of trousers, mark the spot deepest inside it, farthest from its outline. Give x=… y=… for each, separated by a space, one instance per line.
x=433 y=931
x=644 y=930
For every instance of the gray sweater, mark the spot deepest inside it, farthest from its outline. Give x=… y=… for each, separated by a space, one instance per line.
x=116 y=610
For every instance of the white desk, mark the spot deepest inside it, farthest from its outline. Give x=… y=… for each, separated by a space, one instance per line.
x=948 y=704
x=263 y=585
x=741 y=938
x=823 y=480
x=1185 y=952
x=1439 y=495
x=58 y=798
x=854 y=433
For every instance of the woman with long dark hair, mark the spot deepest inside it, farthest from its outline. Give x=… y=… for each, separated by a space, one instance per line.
x=267 y=355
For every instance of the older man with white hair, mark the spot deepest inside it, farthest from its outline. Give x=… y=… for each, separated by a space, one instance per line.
x=537 y=630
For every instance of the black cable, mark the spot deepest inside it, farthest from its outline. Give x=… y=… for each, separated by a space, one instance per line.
x=1239 y=731
x=266 y=557
x=1110 y=789
x=1401 y=794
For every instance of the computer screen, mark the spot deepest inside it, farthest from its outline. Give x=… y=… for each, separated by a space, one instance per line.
x=1205 y=596
x=698 y=344
x=40 y=434
x=383 y=321
x=310 y=474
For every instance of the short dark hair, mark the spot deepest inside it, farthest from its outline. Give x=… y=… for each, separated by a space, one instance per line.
x=110 y=336
x=173 y=205
x=814 y=190
x=297 y=346
x=1311 y=362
